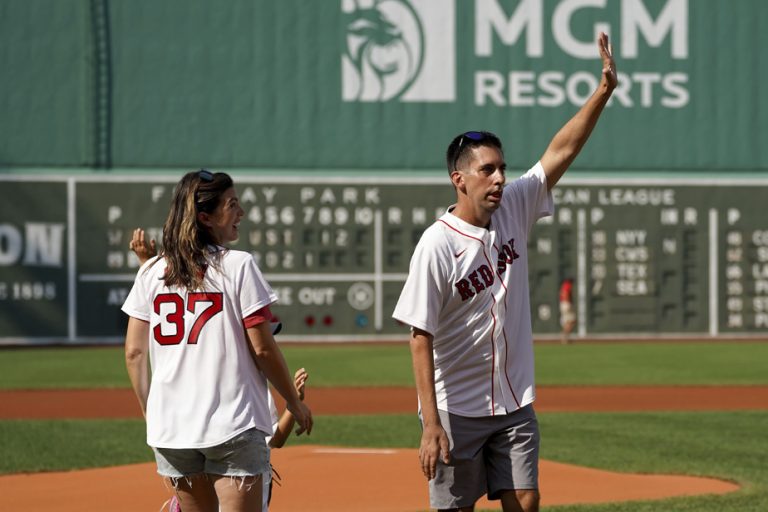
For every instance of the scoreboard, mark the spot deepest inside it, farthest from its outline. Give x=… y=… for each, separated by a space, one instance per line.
x=655 y=258
x=648 y=257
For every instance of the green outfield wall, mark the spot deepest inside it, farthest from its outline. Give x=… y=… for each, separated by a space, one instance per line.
x=334 y=115
x=364 y=84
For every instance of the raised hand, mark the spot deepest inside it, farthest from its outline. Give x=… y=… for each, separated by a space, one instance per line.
x=144 y=249
x=609 y=66
x=300 y=380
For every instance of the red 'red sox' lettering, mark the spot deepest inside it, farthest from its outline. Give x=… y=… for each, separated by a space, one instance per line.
x=482 y=277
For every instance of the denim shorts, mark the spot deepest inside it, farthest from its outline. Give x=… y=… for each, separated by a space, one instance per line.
x=246 y=454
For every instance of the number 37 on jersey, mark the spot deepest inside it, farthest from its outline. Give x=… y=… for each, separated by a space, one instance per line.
x=172 y=309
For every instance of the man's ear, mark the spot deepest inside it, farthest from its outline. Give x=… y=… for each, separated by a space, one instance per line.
x=458 y=181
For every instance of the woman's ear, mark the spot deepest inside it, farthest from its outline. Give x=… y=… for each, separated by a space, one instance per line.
x=204 y=219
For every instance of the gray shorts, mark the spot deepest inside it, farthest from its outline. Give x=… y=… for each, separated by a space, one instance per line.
x=246 y=454
x=488 y=455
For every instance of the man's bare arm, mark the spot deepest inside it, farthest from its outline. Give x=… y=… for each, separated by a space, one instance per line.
x=434 y=441
x=567 y=143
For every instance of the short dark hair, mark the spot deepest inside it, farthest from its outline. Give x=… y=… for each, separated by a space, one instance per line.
x=459 y=145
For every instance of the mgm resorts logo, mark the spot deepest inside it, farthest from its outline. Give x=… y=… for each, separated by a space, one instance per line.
x=398 y=50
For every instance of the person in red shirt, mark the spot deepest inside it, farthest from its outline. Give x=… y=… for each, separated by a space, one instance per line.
x=567 y=313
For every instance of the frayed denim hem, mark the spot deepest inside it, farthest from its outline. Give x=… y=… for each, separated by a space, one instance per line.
x=241 y=481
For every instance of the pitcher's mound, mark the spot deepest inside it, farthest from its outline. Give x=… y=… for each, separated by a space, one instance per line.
x=353 y=479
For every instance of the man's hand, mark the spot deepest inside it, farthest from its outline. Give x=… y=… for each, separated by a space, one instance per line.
x=609 y=66
x=434 y=446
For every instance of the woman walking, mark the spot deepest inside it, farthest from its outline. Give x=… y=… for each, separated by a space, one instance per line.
x=200 y=313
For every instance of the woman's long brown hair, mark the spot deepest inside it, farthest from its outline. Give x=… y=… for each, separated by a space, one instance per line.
x=185 y=239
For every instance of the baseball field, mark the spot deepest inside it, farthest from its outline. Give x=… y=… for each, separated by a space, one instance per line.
x=624 y=425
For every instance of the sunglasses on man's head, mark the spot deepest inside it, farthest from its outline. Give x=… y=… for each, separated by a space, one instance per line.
x=473 y=136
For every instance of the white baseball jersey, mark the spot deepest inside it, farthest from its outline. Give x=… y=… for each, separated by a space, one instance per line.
x=468 y=287
x=205 y=386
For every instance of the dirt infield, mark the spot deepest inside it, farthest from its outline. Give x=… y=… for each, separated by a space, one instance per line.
x=321 y=479
x=121 y=403
x=324 y=478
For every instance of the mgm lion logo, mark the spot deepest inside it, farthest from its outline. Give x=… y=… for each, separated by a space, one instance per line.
x=399 y=50
x=384 y=45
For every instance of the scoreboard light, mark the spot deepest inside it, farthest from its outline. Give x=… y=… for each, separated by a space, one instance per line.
x=361 y=320
x=309 y=320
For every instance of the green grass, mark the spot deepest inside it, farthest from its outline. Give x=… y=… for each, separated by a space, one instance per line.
x=364 y=431
x=622 y=363
x=353 y=365
x=653 y=363
x=728 y=445
x=63 y=367
x=59 y=445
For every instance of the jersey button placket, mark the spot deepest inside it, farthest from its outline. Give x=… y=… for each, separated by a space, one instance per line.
x=498 y=340
x=506 y=401
x=502 y=394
